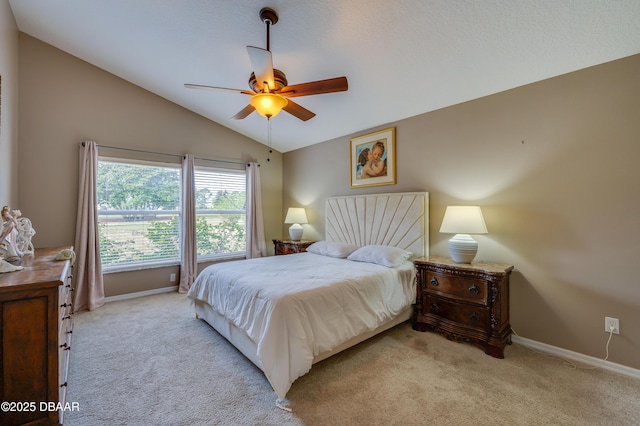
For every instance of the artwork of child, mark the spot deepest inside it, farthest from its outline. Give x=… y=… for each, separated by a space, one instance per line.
x=374 y=166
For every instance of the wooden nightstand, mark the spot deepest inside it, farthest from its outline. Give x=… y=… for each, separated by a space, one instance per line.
x=464 y=302
x=289 y=247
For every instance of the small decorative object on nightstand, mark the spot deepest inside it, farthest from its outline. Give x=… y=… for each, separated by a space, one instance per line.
x=289 y=247
x=295 y=215
x=464 y=302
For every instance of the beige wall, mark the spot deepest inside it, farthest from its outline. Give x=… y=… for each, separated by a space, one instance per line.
x=8 y=107
x=64 y=101
x=554 y=166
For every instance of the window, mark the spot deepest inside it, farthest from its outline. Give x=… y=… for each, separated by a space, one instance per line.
x=139 y=213
x=220 y=212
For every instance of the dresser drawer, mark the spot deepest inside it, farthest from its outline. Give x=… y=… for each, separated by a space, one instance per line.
x=472 y=316
x=463 y=288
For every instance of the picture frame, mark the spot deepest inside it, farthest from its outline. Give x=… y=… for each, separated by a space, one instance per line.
x=373 y=159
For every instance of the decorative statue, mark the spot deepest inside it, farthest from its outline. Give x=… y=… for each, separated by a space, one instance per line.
x=15 y=235
x=25 y=233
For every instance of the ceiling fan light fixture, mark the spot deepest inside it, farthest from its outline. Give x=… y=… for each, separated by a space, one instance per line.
x=268 y=104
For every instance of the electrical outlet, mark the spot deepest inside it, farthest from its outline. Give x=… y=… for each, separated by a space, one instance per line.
x=172 y=277
x=609 y=322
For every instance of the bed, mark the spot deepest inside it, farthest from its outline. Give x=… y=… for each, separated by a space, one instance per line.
x=285 y=313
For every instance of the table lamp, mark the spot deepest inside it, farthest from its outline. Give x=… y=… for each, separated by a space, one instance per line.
x=295 y=215
x=462 y=221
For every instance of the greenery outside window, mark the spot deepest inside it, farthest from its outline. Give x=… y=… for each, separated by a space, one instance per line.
x=221 y=214
x=138 y=214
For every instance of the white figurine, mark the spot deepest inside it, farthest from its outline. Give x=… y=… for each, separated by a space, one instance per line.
x=25 y=233
x=9 y=236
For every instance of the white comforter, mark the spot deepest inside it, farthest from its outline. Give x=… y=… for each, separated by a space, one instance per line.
x=297 y=306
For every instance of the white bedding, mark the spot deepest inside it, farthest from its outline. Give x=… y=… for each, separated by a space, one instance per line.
x=297 y=306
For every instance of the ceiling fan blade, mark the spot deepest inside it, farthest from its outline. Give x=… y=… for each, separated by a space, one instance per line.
x=244 y=112
x=298 y=111
x=201 y=86
x=338 y=84
x=262 y=66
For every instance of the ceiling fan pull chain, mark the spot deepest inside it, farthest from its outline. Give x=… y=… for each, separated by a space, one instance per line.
x=269 y=138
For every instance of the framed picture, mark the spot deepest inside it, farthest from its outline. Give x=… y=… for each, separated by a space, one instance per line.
x=373 y=159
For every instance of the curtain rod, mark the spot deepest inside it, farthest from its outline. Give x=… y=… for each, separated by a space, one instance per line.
x=168 y=155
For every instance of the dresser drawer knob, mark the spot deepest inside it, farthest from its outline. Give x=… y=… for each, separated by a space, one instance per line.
x=435 y=307
x=434 y=282
x=474 y=289
x=475 y=316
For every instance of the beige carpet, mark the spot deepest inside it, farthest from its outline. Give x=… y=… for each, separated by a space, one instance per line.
x=148 y=361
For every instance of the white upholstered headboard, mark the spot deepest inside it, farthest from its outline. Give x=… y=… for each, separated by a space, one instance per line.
x=397 y=219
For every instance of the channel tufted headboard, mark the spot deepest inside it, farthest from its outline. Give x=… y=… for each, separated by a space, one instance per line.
x=397 y=219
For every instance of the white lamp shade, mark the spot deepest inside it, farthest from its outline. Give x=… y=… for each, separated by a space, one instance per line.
x=463 y=220
x=296 y=215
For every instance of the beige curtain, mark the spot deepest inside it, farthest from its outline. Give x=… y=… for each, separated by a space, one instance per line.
x=188 y=244
x=256 y=246
x=89 y=288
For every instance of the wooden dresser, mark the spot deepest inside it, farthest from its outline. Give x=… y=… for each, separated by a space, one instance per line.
x=464 y=302
x=36 y=325
x=289 y=247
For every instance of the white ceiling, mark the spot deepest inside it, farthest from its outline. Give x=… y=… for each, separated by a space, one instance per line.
x=402 y=58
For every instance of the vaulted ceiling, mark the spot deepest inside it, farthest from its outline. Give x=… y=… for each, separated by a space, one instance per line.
x=402 y=58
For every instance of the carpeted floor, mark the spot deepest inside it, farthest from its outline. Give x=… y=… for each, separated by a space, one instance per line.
x=148 y=361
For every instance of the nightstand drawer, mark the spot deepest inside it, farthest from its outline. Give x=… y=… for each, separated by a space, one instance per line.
x=470 y=315
x=456 y=287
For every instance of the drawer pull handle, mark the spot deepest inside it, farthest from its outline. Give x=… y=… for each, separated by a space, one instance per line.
x=65 y=384
x=475 y=316
x=434 y=282
x=64 y=305
x=65 y=346
x=67 y=317
x=435 y=307
x=474 y=289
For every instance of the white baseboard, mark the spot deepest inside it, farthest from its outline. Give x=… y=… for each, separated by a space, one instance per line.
x=140 y=294
x=578 y=357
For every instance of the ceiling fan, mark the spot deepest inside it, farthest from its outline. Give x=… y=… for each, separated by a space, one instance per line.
x=270 y=92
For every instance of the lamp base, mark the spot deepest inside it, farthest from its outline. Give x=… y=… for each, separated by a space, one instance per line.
x=295 y=232
x=462 y=248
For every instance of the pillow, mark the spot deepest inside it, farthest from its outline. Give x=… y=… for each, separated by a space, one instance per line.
x=388 y=256
x=332 y=249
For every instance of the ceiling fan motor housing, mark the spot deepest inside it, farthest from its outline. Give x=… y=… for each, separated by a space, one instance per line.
x=279 y=79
